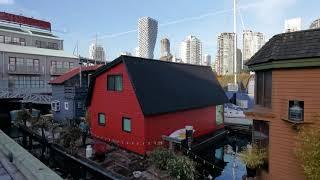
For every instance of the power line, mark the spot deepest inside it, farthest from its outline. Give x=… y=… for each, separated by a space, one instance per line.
x=183 y=20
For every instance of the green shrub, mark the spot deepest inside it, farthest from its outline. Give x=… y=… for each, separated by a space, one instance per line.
x=253 y=157
x=160 y=157
x=308 y=151
x=178 y=166
x=181 y=167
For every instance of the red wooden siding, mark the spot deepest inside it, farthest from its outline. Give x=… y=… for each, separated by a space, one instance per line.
x=146 y=131
x=203 y=120
x=116 y=105
x=290 y=84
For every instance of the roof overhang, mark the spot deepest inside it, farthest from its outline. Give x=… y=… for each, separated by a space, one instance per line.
x=289 y=63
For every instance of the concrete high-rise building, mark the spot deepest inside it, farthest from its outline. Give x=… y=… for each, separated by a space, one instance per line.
x=164 y=47
x=207 y=60
x=291 y=25
x=315 y=24
x=191 y=50
x=136 y=51
x=165 y=50
x=252 y=42
x=147 y=36
x=225 y=54
x=97 y=52
x=30 y=55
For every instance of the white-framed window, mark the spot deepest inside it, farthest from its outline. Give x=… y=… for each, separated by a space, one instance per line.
x=66 y=105
x=55 y=105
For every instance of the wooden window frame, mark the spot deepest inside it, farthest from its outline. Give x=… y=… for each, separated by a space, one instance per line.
x=105 y=119
x=113 y=88
x=123 y=118
x=261 y=92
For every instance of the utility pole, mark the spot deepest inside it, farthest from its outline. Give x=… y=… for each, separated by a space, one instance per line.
x=80 y=64
x=235 y=42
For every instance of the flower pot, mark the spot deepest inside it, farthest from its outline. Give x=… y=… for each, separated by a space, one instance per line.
x=251 y=172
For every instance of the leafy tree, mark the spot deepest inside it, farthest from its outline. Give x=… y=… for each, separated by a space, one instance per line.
x=308 y=151
x=23 y=116
x=69 y=137
x=43 y=123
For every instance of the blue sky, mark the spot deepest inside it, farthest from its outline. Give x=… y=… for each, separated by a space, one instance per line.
x=76 y=20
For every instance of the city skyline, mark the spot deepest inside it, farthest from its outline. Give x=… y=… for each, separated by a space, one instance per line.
x=206 y=21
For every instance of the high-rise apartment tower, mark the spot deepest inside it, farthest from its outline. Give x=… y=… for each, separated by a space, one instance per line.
x=191 y=50
x=147 y=36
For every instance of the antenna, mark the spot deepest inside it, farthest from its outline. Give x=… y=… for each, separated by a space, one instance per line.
x=95 y=54
x=235 y=41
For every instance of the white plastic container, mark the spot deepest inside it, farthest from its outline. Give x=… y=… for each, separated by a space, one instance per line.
x=88 y=151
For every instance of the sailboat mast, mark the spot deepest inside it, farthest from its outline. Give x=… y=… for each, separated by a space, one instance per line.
x=235 y=42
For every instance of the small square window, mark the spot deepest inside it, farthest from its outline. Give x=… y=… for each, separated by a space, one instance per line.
x=66 y=105
x=114 y=83
x=126 y=124
x=101 y=119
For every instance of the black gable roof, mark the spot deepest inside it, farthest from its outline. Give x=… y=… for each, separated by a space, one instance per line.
x=286 y=46
x=163 y=87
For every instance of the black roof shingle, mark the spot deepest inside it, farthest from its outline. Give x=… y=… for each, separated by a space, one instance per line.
x=286 y=46
x=163 y=87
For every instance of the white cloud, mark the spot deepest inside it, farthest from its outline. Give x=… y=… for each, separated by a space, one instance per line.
x=6 y=2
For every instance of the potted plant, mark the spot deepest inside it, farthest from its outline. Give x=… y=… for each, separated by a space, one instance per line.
x=253 y=157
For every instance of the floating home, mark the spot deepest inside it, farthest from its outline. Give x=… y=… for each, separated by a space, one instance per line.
x=135 y=101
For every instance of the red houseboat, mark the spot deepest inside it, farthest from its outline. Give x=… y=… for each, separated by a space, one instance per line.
x=135 y=101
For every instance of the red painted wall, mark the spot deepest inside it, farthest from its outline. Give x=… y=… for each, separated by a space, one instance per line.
x=18 y=19
x=146 y=132
x=116 y=105
x=203 y=121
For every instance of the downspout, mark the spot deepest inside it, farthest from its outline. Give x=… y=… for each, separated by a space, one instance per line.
x=45 y=74
x=3 y=65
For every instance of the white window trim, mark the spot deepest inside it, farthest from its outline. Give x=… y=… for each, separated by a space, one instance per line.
x=66 y=105
x=55 y=105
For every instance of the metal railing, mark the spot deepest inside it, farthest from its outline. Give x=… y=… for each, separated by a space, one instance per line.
x=24 y=70
x=26 y=95
x=58 y=71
